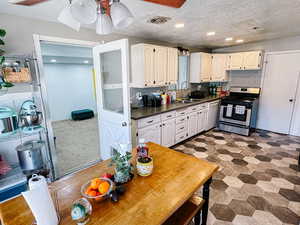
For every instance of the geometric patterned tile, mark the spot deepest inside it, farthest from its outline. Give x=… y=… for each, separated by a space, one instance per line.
x=248 y=179
x=267 y=186
x=233 y=182
x=251 y=160
x=258 y=203
x=244 y=220
x=285 y=215
x=266 y=218
x=257 y=173
x=282 y=183
x=241 y=207
x=222 y=212
x=291 y=195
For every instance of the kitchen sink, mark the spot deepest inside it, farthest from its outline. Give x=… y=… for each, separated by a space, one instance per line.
x=187 y=101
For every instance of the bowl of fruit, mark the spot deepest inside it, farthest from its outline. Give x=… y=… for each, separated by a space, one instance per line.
x=97 y=189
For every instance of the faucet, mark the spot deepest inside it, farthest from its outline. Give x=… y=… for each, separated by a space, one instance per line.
x=182 y=84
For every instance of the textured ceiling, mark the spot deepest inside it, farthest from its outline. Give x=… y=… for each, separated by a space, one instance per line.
x=228 y=18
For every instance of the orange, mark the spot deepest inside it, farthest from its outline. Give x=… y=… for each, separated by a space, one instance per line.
x=92 y=193
x=104 y=187
x=88 y=190
x=95 y=183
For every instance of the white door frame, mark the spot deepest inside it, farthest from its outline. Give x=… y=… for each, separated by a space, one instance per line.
x=43 y=92
x=264 y=71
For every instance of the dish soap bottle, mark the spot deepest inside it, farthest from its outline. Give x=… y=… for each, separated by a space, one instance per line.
x=142 y=149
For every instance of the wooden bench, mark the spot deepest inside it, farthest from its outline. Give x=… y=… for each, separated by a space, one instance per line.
x=185 y=214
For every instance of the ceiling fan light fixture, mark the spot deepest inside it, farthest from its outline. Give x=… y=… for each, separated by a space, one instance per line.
x=66 y=18
x=120 y=14
x=84 y=11
x=104 y=24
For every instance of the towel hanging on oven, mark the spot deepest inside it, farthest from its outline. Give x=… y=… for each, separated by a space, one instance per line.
x=240 y=109
x=229 y=110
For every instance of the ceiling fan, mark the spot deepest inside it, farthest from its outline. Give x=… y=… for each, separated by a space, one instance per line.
x=27 y=2
x=171 y=3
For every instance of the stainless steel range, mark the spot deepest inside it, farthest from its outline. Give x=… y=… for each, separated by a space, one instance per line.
x=238 y=112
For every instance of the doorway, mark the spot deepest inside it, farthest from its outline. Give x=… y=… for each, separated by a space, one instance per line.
x=279 y=106
x=68 y=86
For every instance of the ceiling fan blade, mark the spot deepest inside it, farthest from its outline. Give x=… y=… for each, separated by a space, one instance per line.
x=27 y=2
x=171 y=3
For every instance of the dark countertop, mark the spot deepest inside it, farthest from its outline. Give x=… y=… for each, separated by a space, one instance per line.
x=141 y=113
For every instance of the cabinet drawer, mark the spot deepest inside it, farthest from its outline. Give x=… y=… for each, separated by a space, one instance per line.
x=148 y=121
x=168 y=115
x=181 y=137
x=193 y=108
x=182 y=112
x=203 y=106
x=181 y=119
x=181 y=127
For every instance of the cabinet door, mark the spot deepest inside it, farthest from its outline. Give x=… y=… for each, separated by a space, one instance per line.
x=160 y=65
x=206 y=64
x=213 y=110
x=192 y=124
x=219 y=67
x=195 y=61
x=151 y=133
x=149 y=52
x=172 y=73
x=202 y=120
x=168 y=133
x=252 y=60
x=236 y=61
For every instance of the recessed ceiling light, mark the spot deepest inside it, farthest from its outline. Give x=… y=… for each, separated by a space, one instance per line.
x=53 y=60
x=86 y=61
x=229 y=39
x=239 y=41
x=179 y=25
x=211 y=33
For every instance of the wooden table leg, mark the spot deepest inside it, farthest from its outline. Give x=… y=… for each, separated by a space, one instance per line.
x=205 y=196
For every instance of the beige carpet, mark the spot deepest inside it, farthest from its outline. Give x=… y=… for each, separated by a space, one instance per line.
x=77 y=144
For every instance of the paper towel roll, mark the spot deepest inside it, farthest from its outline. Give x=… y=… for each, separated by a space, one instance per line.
x=40 y=202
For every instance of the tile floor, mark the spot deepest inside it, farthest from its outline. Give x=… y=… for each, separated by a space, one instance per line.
x=258 y=182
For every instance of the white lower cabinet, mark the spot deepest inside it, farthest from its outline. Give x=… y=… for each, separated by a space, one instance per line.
x=151 y=133
x=192 y=124
x=168 y=133
x=173 y=127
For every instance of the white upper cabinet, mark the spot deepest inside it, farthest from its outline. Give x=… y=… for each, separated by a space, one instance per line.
x=245 y=60
x=236 y=61
x=153 y=65
x=252 y=60
x=200 y=67
x=219 y=67
x=172 y=72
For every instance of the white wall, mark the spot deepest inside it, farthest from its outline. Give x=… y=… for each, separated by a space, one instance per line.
x=69 y=88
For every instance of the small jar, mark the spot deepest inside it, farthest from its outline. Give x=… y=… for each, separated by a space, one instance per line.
x=144 y=169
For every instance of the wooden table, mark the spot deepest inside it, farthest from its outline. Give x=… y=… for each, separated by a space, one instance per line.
x=148 y=200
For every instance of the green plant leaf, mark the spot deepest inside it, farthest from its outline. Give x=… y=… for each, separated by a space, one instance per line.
x=2 y=42
x=2 y=33
x=7 y=84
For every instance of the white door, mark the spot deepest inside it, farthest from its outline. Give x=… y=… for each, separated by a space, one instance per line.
x=192 y=124
x=151 y=133
x=295 y=125
x=202 y=121
x=278 y=92
x=111 y=62
x=168 y=133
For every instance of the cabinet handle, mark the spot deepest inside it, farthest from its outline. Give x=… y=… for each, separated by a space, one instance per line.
x=181 y=137
x=181 y=128
x=145 y=84
x=154 y=82
x=169 y=116
x=160 y=126
x=154 y=50
x=182 y=120
x=151 y=121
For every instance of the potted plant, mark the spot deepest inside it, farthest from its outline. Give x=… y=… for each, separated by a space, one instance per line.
x=123 y=167
x=3 y=82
